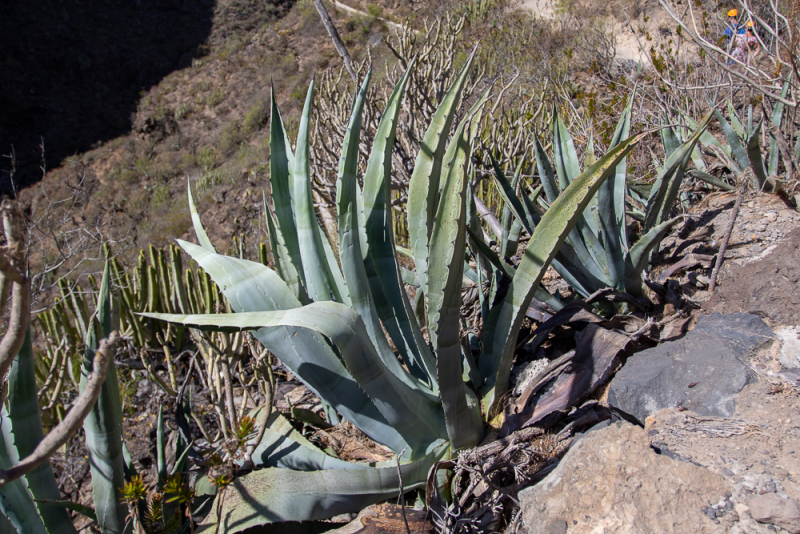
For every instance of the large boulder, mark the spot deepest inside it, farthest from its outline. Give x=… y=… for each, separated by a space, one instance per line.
x=702 y=372
x=612 y=481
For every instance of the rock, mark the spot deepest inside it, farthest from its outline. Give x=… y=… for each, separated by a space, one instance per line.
x=790 y=346
x=743 y=331
x=612 y=481
x=792 y=376
x=755 y=451
x=771 y=508
x=703 y=371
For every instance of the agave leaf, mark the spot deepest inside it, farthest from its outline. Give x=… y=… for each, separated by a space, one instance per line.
x=202 y=236
x=15 y=502
x=335 y=271
x=776 y=118
x=589 y=158
x=706 y=139
x=361 y=275
x=736 y=122
x=380 y=260
x=510 y=241
x=546 y=174
x=637 y=258
x=672 y=192
x=318 y=273
x=445 y=272
x=273 y=495
x=485 y=253
x=670 y=140
x=86 y=511
x=250 y=287
x=567 y=169
x=283 y=446
x=22 y=432
x=281 y=163
x=704 y=176
x=736 y=149
x=583 y=275
x=424 y=182
x=502 y=327
x=483 y=250
x=566 y=158
x=349 y=228
x=667 y=184
x=283 y=260
x=508 y=192
x=103 y=425
x=482 y=264
x=611 y=205
x=754 y=155
x=412 y=414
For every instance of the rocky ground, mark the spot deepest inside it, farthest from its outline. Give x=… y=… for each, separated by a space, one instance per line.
x=715 y=437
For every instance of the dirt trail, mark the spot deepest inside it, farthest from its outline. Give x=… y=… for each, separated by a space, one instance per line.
x=627 y=46
x=388 y=22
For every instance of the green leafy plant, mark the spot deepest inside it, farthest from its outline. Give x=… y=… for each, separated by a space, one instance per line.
x=24 y=449
x=597 y=253
x=332 y=326
x=742 y=150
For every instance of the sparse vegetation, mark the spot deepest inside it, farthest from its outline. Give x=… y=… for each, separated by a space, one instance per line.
x=464 y=172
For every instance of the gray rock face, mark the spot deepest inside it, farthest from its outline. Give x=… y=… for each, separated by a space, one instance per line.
x=703 y=371
x=612 y=481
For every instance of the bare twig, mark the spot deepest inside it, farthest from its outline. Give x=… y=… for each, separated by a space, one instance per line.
x=728 y=231
x=486 y=214
x=73 y=420
x=337 y=41
x=11 y=267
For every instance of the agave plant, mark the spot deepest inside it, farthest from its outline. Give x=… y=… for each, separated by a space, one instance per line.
x=743 y=149
x=350 y=333
x=35 y=505
x=597 y=253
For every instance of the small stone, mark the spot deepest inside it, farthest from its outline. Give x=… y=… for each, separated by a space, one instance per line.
x=559 y=526
x=772 y=509
x=790 y=346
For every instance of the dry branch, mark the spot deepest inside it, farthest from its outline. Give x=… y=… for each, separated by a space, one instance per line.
x=74 y=419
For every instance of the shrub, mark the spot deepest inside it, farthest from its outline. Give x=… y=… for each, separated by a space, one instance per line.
x=206 y=159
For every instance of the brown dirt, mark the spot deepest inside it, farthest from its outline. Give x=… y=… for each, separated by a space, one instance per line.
x=762 y=263
x=766 y=287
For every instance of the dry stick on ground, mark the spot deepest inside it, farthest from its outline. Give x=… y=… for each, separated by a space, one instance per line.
x=73 y=420
x=728 y=231
x=402 y=492
x=337 y=41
